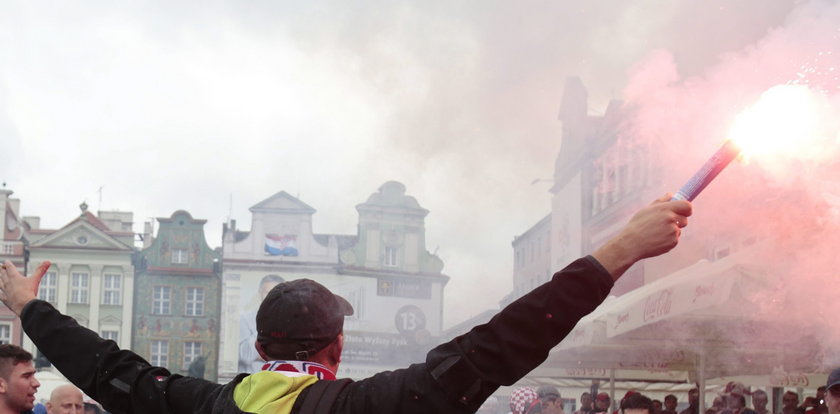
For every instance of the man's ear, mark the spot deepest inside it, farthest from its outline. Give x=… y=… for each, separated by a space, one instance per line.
x=337 y=347
x=3 y=385
x=261 y=351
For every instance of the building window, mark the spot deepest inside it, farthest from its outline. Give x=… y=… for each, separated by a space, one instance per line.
x=195 y=301
x=390 y=259
x=8 y=249
x=79 y=288
x=111 y=289
x=112 y=335
x=160 y=353
x=46 y=290
x=179 y=256
x=162 y=300
x=192 y=350
x=5 y=333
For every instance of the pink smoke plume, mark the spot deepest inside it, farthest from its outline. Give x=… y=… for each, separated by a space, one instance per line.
x=791 y=200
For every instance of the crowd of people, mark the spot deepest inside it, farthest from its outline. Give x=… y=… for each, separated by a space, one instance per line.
x=732 y=400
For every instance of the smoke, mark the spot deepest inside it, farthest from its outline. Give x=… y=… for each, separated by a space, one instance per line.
x=785 y=205
x=459 y=102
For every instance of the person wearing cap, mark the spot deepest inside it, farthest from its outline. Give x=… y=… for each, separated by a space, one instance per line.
x=521 y=399
x=819 y=404
x=300 y=336
x=548 y=401
x=832 y=392
x=602 y=403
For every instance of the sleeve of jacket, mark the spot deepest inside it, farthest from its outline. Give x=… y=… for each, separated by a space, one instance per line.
x=459 y=375
x=122 y=381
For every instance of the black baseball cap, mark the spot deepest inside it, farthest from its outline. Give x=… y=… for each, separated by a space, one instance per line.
x=833 y=379
x=299 y=318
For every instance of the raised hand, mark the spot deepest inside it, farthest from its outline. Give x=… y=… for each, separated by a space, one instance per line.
x=652 y=231
x=16 y=290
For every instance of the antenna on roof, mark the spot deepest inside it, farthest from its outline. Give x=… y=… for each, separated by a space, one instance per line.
x=230 y=208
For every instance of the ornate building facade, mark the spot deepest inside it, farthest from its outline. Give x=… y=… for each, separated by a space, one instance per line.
x=177 y=298
x=91 y=277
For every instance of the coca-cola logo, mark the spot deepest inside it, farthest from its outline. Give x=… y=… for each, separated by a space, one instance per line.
x=586 y=372
x=653 y=360
x=622 y=318
x=658 y=305
x=789 y=380
x=701 y=291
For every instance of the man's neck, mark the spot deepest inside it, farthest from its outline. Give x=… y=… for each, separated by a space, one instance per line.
x=6 y=409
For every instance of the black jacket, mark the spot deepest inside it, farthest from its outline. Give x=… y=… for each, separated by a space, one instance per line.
x=456 y=377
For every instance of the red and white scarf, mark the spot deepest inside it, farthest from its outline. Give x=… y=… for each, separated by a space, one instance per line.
x=299 y=368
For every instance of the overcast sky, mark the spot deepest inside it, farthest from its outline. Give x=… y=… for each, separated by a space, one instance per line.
x=189 y=105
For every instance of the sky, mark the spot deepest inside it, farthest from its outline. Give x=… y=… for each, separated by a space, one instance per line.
x=214 y=106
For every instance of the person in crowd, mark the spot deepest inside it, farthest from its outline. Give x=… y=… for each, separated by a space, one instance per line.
x=548 y=401
x=636 y=403
x=300 y=334
x=832 y=392
x=736 y=404
x=810 y=404
x=693 y=402
x=17 y=380
x=759 y=402
x=718 y=404
x=790 y=403
x=521 y=399
x=602 y=403
x=821 y=407
x=623 y=399
x=670 y=402
x=657 y=407
x=585 y=404
x=66 y=399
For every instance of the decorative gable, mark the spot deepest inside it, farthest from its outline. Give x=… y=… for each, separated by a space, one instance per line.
x=80 y=234
x=282 y=202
